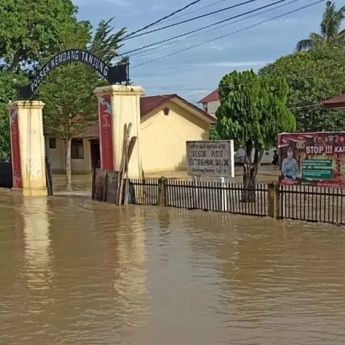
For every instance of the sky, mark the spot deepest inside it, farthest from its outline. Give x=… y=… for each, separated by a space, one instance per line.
x=251 y=41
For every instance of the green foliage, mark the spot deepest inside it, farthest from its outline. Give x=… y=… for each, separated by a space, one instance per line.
x=330 y=33
x=253 y=110
x=31 y=30
x=8 y=92
x=68 y=91
x=312 y=77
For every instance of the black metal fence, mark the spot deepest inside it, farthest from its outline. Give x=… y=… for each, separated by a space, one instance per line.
x=312 y=204
x=216 y=196
x=145 y=191
x=305 y=203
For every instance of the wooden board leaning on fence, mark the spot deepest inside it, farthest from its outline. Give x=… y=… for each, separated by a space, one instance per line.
x=127 y=150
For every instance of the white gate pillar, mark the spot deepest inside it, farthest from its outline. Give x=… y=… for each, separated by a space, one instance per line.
x=28 y=147
x=119 y=105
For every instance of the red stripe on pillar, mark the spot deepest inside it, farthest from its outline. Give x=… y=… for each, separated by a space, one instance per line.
x=15 y=150
x=106 y=133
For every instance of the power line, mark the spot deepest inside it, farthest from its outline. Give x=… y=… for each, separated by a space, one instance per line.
x=190 y=19
x=162 y=19
x=196 y=10
x=232 y=33
x=206 y=27
x=175 y=89
x=151 y=45
x=168 y=45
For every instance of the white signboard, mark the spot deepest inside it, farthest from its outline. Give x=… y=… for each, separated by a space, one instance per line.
x=211 y=158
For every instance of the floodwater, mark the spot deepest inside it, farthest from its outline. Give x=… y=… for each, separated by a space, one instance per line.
x=78 y=272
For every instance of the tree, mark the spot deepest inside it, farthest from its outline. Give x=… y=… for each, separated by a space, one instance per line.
x=8 y=92
x=330 y=34
x=312 y=78
x=68 y=91
x=252 y=112
x=30 y=31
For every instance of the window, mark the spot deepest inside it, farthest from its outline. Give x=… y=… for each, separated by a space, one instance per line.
x=52 y=143
x=77 y=148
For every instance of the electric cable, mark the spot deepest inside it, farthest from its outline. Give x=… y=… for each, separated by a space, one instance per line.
x=136 y=51
x=162 y=19
x=188 y=20
x=232 y=33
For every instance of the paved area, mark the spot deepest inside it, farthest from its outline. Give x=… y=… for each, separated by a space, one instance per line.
x=267 y=173
x=81 y=184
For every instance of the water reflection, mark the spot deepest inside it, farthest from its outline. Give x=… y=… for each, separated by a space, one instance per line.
x=80 y=272
x=37 y=250
x=126 y=257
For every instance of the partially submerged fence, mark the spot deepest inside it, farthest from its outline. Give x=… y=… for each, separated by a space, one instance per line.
x=312 y=204
x=306 y=203
x=146 y=192
x=214 y=196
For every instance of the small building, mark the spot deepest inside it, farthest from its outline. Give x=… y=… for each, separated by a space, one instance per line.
x=335 y=102
x=211 y=102
x=167 y=122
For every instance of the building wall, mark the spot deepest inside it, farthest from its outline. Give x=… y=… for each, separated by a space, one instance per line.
x=163 y=138
x=57 y=158
x=212 y=107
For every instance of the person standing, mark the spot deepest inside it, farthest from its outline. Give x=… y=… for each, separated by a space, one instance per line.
x=289 y=166
x=275 y=160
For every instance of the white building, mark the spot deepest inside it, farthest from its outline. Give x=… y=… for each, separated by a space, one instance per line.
x=167 y=122
x=210 y=104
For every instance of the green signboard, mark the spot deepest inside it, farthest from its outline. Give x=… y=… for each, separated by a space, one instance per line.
x=317 y=169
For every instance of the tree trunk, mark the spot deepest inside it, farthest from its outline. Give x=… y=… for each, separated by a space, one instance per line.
x=250 y=171
x=249 y=182
x=68 y=142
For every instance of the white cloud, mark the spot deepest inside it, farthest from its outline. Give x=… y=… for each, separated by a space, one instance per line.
x=216 y=47
x=121 y=3
x=234 y=64
x=159 y=7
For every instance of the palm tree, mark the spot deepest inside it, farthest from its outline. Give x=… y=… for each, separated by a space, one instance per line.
x=330 y=34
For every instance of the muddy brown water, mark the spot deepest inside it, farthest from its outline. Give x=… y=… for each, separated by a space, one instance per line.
x=78 y=272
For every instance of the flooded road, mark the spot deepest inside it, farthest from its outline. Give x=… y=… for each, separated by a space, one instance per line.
x=78 y=272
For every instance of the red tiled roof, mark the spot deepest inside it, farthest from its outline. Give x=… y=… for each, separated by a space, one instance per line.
x=148 y=104
x=212 y=97
x=335 y=102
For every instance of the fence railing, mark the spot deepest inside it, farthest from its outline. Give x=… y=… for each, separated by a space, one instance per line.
x=312 y=203
x=145 y=191
x=216 y=196
x=305 y=203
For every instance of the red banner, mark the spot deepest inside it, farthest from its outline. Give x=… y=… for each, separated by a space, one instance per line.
x=312 y=158
x=106 y=133
x=15 y=149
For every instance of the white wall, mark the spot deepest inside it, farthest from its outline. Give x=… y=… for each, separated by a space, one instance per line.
x=163 y=138
x=212 y=107
x=57 y=158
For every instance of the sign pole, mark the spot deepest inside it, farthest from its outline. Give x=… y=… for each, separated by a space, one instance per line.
x=223 y=195
x=196 y=180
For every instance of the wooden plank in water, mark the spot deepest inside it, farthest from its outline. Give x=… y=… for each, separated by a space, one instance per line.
x=112 y=178
x=100 y=185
